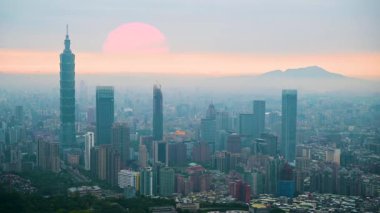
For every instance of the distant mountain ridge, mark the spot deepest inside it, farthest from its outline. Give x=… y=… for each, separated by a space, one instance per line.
x=305 y=72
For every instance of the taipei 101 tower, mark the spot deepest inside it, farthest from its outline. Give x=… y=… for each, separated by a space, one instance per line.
x=67 y=93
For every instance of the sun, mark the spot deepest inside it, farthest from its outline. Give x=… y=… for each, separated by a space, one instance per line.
x=135 y=37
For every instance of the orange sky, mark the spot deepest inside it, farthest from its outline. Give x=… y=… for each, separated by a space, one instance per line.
x=364 y=65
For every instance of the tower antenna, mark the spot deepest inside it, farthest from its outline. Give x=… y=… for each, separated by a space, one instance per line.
x=67 y=29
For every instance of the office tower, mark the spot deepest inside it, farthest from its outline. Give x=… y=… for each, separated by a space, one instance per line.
x=211 y=112
x=89 y=142
x=146 y=181
x=208 y=132
x=48 y=155
x=272 y=168
x=160 y=152
x=166 y=181
x=120 y=140
x=148 y=142
x=200 y=153
x=221 y=140
x=99 y=161
x=176 y=154
x=67 y=92
x=233 y=143
x=246 y=124
x=113 y=165
x=143 y=156
x=289 y=124
x=259 y=112
x=222 y=121
x=158 y=117
x=104 y=114
x=19 y=115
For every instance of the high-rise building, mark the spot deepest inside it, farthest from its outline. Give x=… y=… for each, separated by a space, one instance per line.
x=176 y=154
x=89 y=142
x=166 y=181
x=120 y=140
x=233 y=143
x=146 y=181
x=48 y=155
x=113 y=165
x=67 y=96
x=208 y=132
x=200 y=153
x=246 y=124
x=289 y=124
x=158 y=115
x=99 y=161
x=143 y=156
x=211 y=112
x=129 y=178
x=160 y=152
x=104 y=114
x=259 y=112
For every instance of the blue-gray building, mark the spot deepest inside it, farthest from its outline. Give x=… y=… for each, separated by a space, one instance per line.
x=158 y=115
x=67 y=96
x=104 y=114
x=259 y=112
x=289 y=124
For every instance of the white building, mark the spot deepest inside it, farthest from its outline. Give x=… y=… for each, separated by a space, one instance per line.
x=128 y=178
x=88 y=144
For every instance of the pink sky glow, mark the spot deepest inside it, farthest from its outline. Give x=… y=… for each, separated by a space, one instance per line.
x=365 y=65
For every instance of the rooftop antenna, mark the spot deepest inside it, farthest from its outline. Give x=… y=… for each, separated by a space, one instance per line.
x=67 y=29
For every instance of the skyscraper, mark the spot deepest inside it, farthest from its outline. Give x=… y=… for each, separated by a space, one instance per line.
x=158 y=120
x=160 y=152
x=208 y=132
x=234 y=143
x=48 y=155
x=88 y=144
x=146 y=181
x=246 y=124
x=259 y=112
x=166 y=181
x=67 y=95
x=289 y=124
x=104 y=114
x=121 y=141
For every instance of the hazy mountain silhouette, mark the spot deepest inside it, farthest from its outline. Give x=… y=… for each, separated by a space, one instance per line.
x=308 y=79
x=306 y=72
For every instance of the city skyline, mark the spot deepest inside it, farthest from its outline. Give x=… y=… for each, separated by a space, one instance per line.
x=198 y=44
x=216 y=136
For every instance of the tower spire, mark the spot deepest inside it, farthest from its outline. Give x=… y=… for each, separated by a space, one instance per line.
x=67 y=39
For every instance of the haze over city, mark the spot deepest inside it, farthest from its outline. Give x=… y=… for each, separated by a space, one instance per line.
x=171 y=106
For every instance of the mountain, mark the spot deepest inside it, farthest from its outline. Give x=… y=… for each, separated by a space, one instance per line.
x=305 y=72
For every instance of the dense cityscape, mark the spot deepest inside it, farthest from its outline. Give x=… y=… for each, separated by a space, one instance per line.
x=299 y=153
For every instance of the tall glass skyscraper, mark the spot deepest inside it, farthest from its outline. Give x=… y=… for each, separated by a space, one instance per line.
x=104 y=114
x=158 y=120
x=289 y=124
x=259 y=112
x=67 y=95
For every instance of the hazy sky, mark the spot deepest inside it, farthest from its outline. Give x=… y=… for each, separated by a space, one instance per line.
x=257 y=28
